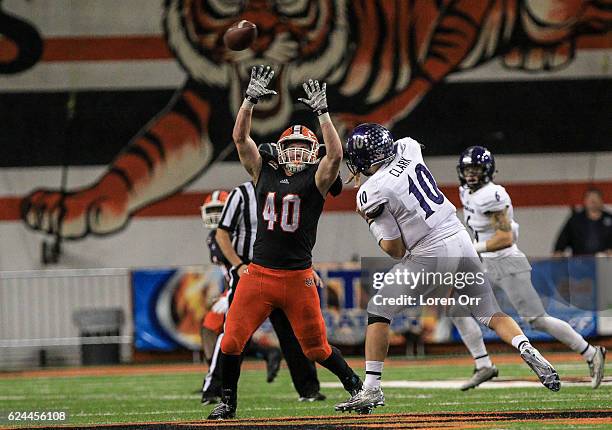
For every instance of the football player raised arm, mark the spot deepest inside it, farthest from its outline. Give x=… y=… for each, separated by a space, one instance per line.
x=329 y=166
x=247 y=148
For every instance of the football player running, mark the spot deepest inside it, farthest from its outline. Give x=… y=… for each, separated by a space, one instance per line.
x=414 y=222
x=488 y=213
x=290 y=190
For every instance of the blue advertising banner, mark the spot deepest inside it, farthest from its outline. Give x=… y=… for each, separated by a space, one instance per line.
x=148 y=332
x=568 y=291
x=169 y=306
x=344 y=303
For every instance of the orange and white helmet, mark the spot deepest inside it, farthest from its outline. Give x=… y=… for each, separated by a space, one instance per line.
x=212 y=208
x=295 y=158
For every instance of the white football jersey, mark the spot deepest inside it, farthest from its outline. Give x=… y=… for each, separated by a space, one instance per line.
x=408 y=190
x=476 y=208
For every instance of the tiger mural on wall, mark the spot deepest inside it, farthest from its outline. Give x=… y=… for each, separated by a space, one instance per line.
x=379 y=58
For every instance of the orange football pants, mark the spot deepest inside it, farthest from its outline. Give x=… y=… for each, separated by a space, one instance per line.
x=262 y=290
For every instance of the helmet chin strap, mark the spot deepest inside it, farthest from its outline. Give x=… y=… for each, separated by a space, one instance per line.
x=476 y=186
x=356 y=177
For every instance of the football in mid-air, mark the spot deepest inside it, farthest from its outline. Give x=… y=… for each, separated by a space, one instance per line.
x=240 y=35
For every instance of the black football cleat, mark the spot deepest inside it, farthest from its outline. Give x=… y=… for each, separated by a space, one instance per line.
x=226 y=409
x=209 y=399
x=273 y=361
x=314 y=397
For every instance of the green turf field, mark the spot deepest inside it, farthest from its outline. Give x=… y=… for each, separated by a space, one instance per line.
x=172 y=397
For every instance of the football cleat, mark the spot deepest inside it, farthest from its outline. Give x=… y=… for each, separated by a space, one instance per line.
x=315 y=397
x=546 y=373
x=596 y=366
x=209 y=399
x=481 y=375
x=226 y=409
x=212 y=394
x=273 y=361
x=364 y=401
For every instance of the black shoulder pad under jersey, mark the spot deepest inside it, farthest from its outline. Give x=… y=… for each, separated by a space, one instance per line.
x=375 y=212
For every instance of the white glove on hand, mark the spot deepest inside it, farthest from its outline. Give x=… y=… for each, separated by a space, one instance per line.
x=260 y=79
x=221 y=305
x=317 y=98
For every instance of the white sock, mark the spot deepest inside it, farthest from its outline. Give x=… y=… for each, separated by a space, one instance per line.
x=588 y=353
x=520 y=342
x=483 y=361
x=472 y=338
x=373 y=374
x=564 y=332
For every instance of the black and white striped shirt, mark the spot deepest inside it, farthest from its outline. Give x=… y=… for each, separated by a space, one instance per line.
x=239 y=218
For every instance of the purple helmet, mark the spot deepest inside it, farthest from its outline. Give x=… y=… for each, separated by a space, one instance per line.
x=369 y=144
x=476 y=156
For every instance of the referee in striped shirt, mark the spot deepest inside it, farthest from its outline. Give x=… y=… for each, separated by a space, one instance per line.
x=235 y=236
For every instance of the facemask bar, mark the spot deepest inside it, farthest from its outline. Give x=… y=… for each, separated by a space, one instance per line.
x=295 y=159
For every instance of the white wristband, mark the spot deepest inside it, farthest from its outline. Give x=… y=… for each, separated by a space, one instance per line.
x=248 y=105
x=376 y=231
x=323 y=118
x=480 y=247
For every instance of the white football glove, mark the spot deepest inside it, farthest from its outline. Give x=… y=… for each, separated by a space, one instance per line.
x=221 y=305
x=317 y=97
x=260 y=79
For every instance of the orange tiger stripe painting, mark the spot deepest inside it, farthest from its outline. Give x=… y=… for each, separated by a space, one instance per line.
x=380 y=59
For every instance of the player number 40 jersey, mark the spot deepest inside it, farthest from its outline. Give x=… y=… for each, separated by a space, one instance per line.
x=408 y=190
x=477 y=208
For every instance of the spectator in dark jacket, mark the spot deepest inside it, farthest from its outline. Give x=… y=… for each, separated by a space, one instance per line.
x=587 y=231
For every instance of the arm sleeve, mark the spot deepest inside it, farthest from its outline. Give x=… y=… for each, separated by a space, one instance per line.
x=384 y=226
x=231 y=211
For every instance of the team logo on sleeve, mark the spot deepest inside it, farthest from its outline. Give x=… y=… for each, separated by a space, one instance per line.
x=309 y=282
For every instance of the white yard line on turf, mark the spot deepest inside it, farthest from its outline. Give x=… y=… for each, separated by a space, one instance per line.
x=456 y=384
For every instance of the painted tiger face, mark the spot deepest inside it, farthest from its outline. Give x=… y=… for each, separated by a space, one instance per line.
x=300 y=39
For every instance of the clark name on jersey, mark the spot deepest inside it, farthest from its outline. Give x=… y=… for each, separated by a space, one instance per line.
x=406 y=188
